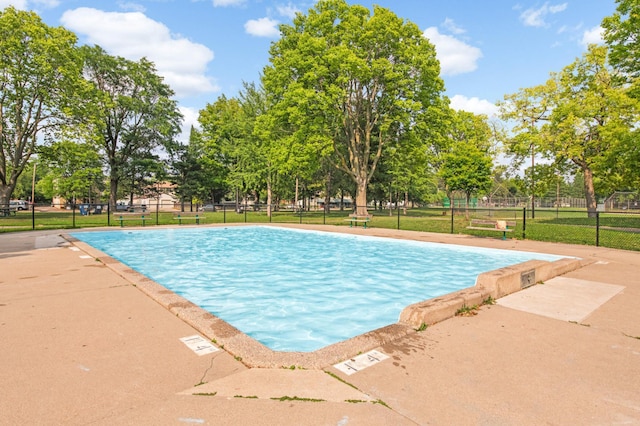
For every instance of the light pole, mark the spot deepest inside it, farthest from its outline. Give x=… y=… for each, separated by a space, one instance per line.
x=33 y=184
x=533 y=183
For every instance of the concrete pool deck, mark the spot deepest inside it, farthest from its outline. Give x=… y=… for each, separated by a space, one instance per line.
x=81 y=344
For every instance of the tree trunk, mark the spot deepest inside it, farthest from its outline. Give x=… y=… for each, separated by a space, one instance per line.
x=269 y=197
x=327 y=194
x=361 y=197
x=113 y=195
x=589 y=192
x=406 y=202
x=295 y=201
x=5 y=195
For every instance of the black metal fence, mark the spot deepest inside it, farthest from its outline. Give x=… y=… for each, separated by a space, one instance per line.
x=615 y=229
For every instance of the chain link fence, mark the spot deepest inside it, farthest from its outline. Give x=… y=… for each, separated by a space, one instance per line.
x=620 y=230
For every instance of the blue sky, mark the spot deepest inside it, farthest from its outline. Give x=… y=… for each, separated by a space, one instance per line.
x=205 y=48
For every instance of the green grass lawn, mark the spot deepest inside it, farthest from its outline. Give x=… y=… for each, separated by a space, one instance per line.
x=616 y=230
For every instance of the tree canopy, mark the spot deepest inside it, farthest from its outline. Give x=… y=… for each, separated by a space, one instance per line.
x=133 y=112
x=40 y=85
x=74 y=169
x=585 y=114
x=352 y=84
x=622 y=35
x=466 y=162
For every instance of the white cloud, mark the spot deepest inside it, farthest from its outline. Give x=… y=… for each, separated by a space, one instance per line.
x=592 y=36
x=26 y=4
x=474 y=105
x=131 y=6
x=133 y=35
x=558 y=8
x=225 y=3
x=29 y=4
x=455 y=56
x=49 y=4
x=190 y=118
x=288 y=10
x=18 y=4
x=452 y=27
x=263 y=27
x=536 y=17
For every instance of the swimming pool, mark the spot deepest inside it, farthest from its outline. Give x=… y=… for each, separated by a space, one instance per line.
x=299 y=290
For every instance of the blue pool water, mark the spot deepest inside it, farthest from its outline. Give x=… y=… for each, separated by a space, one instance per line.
x=298 y=290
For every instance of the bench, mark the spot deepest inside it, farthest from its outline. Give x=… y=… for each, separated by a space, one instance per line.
x=180 y=217
x=358 y=219
x=8 y=211
x=123 y=217
x=498 y=225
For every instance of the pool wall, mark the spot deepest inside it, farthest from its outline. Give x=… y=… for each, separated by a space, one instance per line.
x=493 y=284
x=252 y=353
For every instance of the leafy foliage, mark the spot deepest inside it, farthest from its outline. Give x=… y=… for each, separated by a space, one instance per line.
x=580 y=119
x=132 y=113
x=465 y=162
x=40 y=85
x=352 y=84
x=74 y=169
x=622 y=35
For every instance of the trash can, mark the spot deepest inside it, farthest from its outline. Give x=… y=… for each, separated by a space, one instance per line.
x=84 y=209
x=98 y=209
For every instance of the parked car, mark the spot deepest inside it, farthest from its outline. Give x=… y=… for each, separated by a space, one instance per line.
x=208 y=208
x=18 y=205
x=137 y=208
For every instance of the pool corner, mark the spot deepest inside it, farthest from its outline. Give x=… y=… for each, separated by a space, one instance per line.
x=489 y=286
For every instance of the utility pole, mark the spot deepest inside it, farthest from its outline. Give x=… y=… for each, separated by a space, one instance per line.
x=533 y=183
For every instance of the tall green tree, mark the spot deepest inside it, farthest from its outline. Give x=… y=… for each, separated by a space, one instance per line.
x=40 y=88
x=74 y=170
x=466 y=169
x=221 y=137
x=591 y=116
x=527 y=110
x=355 y=80
x=133 y=111
x=622 y=35
x=256 y=157
x=586 y=114
x=466 y=163
x=141 y=175
x=193 y=174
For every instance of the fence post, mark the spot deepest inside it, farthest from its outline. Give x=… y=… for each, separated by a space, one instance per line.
x=245 y=211
x=73 y=214
x=158 y=211
x=224 y=213
x=452 y=216
x=33 y=215
x=108 y=214
x=524 y=223
x=398 y=207
x=597 y=229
